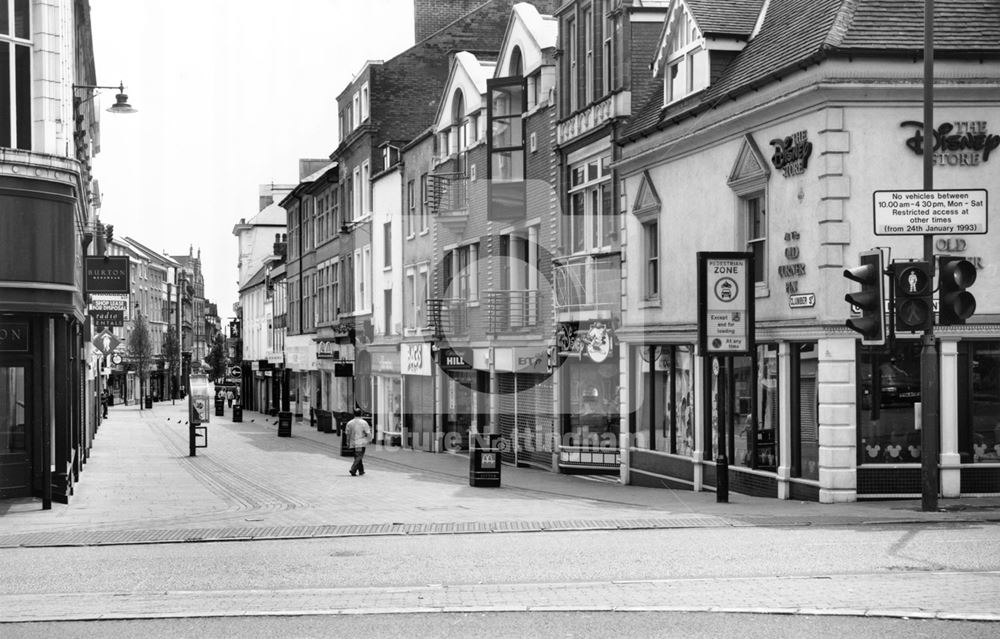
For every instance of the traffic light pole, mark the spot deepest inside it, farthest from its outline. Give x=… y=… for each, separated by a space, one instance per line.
x=929 y=387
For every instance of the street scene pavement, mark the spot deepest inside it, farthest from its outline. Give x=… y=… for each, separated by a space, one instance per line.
x=643 y=549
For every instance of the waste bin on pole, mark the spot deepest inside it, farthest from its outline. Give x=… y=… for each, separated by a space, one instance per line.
x=484 y=459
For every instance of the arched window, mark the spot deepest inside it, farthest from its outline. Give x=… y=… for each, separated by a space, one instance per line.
x=516 y=62
x=459 y=121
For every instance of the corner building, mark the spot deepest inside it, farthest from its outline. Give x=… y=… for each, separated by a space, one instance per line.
x=770 y=128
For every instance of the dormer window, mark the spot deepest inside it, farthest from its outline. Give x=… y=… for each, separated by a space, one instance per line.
x=684 y=57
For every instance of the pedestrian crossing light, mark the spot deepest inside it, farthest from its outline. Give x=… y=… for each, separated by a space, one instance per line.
x=869 y=299
x=913 y=296
x=955 y=304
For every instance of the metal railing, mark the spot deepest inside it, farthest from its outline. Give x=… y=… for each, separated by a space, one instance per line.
x=511 y=310
x=447 y=192
x=587 y=282
x=448 y=316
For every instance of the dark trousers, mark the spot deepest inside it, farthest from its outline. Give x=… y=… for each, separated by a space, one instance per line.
x=359 y=461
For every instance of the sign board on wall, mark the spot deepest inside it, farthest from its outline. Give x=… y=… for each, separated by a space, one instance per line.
x=415 y=359
x=950 y=212
x=725 y=303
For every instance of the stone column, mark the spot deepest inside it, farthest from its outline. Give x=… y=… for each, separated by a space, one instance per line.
x=951 y=472
x=838 y=422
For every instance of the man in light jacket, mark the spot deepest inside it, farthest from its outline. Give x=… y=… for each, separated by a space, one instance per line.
x=358 y=434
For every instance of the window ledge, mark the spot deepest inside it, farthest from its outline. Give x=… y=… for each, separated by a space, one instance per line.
x=650 y=303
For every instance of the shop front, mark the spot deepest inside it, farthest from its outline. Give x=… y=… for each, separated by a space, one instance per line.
x=526 y=406
x=419 y=410
x=589 y=401
x=388 y=395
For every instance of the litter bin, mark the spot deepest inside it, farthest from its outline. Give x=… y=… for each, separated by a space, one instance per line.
x=220 y=406
x=237 y=413
x=484 y=459
x=149 y=401
x=284 y=424
x=324 y=421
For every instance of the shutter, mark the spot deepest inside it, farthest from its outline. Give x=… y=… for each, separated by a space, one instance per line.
x=507 y=415
x=534 y=420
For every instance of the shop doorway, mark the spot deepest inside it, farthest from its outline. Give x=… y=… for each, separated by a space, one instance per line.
x=15 y=431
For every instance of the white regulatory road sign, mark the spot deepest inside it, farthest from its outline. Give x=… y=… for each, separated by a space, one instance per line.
x=951 y=212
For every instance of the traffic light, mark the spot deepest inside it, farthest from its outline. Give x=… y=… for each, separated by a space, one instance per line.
x=913 y=296
x=871 y=324
x=955 y=304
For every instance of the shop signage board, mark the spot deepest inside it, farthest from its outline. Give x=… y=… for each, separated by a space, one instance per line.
x=725 y=303
x=107 y=319
x=107 y=274
x=14 y=337
x=415 y=358
x=950 y=212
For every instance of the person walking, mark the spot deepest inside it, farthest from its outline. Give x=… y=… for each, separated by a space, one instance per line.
x=358 y=433
x=104 y=403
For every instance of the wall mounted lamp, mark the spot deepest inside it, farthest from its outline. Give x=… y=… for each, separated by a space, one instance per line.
x=121 y=104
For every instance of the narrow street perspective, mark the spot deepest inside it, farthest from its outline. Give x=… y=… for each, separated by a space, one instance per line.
x=513 y=318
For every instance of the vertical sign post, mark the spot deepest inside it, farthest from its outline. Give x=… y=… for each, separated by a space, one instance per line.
x=725 y=329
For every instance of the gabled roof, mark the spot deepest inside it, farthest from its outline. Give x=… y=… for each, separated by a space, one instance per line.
x=469 y=72
x=528 y=27
x=256 y=280
x=733 y=17
x=795 y=34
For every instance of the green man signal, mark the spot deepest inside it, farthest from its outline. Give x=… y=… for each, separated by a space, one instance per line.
x=955 y=304
x=914 y=296
x=869 y=299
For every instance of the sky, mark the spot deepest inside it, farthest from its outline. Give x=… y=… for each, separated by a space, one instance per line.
x=230 y=94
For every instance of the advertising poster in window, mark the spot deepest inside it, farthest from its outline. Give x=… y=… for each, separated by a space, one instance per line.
x=725 y=303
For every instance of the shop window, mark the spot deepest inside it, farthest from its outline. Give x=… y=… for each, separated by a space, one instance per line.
x=665 y=395
x=979 y=402
x=888 y=389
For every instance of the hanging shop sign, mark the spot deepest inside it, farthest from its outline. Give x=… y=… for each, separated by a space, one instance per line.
x=14 y=337
x=726 y=303
x=597 y=341
x=108 y=274
x=956 y=143
x=791 y=153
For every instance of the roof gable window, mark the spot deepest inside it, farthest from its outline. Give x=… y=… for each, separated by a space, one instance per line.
x=683 y=58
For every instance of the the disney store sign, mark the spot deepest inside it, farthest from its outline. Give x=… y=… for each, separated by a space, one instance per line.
x=963 y=143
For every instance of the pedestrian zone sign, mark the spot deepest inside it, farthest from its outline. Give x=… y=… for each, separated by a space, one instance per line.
x=105 y=341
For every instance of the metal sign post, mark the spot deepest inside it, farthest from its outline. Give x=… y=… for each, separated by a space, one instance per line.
x=725 y=329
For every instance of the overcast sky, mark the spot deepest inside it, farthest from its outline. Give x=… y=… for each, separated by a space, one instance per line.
x=230 y=94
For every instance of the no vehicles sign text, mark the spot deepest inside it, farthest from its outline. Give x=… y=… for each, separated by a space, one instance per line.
x=952 y=212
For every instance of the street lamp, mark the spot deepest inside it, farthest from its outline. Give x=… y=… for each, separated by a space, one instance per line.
x=121 y=104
